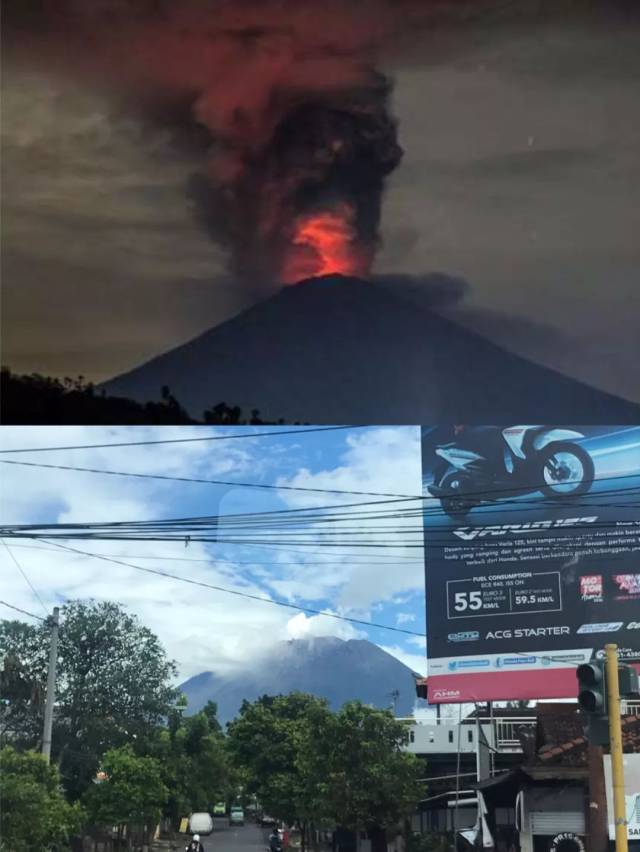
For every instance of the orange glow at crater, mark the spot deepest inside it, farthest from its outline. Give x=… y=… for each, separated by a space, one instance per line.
x=324 y=243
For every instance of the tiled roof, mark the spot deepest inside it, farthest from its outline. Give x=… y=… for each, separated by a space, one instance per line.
x=560 y=735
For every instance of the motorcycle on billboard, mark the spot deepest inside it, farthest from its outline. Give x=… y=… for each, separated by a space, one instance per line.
x=505 y=462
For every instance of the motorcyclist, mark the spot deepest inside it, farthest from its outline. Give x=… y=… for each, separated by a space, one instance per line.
x=275 y=841
x=195 y=845
x=486 y=441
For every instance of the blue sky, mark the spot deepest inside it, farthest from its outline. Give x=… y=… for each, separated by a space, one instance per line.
x=207 y=630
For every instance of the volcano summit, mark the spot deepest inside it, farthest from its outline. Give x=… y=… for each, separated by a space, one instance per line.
x=342 y=350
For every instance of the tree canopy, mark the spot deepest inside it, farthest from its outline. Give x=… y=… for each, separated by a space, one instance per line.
x=113 y=686
x=132 y=792
x=306 y=763
x=33 y=810
x=355 y=762
x=44 y=399
x=193 y=761
x=264 y=740
x=24 y=655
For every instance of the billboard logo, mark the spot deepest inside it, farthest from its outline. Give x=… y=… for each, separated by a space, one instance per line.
x=469 y=533
x=464 y=636
x=606 y=627
x=514 y=661
x=443 y=694
x=454 y=665
x=591 y=588
x=568 y=658
x=529 y=632
x=629 y=583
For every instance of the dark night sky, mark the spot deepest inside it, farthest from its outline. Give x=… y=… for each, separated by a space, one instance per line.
x=521 y=174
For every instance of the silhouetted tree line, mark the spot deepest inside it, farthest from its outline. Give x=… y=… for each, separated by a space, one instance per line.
x=36 y=399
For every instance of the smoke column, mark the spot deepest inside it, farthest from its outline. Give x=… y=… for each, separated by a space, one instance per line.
x=298 y=129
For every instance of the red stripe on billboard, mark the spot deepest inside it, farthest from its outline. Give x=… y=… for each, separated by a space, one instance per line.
x=504 y=686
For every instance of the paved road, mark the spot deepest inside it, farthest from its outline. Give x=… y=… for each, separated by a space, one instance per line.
x=246 y=838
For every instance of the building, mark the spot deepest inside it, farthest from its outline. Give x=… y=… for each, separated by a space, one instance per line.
x=560 y=785
x=457 y=755
x=534 y=772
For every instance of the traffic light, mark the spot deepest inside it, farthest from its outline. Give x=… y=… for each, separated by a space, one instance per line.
x=628 y=678
x=592 y=698
x=421 y=687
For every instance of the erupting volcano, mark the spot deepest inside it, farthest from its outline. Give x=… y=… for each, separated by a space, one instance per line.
x=325 y=243
x=309 y=203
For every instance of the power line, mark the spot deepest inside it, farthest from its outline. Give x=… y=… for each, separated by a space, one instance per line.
x=235 y=592
x=244 y=434
x=23 y=611
x=487 y=496
x=390 y=560
x=309 y=532
x=205 y=481
x=23 y=572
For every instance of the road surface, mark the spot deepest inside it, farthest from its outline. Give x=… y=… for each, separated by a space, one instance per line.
x=246 y=838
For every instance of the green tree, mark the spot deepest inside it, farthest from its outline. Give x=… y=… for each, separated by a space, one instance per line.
x=264 y=740
x=193 y=759
x=356 y=771
x=131 y=796
x=113 y=686
x=33 y=811
x=23 y=674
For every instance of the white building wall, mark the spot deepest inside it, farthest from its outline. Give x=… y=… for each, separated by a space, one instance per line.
x=425 y=738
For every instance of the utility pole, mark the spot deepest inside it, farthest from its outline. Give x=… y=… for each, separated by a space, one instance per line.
x=51 y=684
x=615 y=738
x=597 y=801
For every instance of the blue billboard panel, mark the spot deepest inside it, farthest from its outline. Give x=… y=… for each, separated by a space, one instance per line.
x=532 y=556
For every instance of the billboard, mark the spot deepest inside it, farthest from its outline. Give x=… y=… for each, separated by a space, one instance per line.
x=532 y=556
x=631 y=795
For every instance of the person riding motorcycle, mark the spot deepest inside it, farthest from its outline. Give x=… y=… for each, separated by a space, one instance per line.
x=195 y=845
x=486 y=441
x=275 y=841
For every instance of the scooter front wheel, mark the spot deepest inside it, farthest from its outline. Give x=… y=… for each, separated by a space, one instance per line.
x=567 y=471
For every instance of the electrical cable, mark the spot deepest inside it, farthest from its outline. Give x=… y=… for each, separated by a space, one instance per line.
x=23 y=611
x=482 y=495
x=230 y=560
x=244 y=434
x=24 y=574
x=235 y=592
x=313 y=535
x=202 y=481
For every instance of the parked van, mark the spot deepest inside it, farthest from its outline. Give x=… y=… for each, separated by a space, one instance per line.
x=200 y=823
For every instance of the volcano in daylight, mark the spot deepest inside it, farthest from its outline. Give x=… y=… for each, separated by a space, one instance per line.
x=339 y=349
x=325 y=666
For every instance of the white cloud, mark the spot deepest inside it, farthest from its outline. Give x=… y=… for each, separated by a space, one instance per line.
x=202 y=629
x=384 y=460
x=303 y=626
x=405 y=618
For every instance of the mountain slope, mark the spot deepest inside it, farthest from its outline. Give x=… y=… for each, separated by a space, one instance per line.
x=342 y=350
x=327 y=667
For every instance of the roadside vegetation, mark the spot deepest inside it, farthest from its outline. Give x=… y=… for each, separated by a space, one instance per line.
x=128 y=756
x=35 y=399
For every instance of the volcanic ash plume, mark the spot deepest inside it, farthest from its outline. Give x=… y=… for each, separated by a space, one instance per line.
x=299 y=133
x=309 y=203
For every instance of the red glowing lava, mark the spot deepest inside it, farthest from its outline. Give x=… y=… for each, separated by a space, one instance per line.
x=324 y=243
